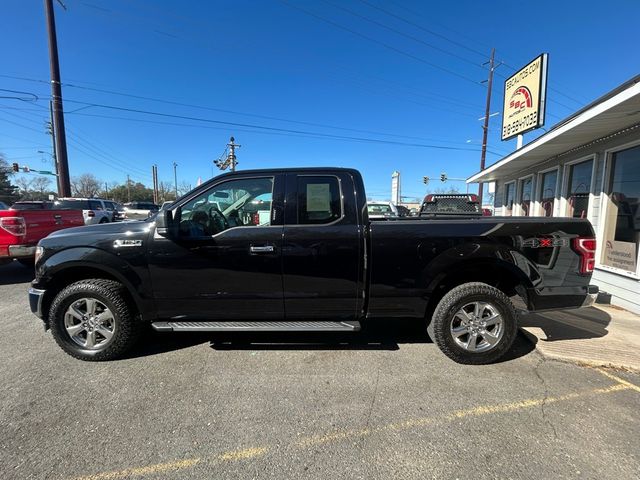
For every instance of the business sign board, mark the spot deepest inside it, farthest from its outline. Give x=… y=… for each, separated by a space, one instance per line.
x=396 y=198
x=525 y=93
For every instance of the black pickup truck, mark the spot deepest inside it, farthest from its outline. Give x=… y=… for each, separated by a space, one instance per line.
x=294 y=250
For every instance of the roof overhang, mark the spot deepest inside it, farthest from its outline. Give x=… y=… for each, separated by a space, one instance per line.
x=612 y=113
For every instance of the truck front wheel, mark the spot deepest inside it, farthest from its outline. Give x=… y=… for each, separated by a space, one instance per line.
x=92 y=320
x=474 y=324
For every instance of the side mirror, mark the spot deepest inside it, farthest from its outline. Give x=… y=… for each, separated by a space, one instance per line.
x=164 y=223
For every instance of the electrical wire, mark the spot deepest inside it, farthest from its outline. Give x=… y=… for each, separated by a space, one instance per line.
x=401 y=33
x=266 y=128
x=267 y=117
x=383 y=44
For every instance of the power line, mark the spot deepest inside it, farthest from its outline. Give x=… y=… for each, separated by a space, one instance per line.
x=444 y=37
x=267 y=117
x=378 y=42
x=401 y=33
x=266 y=128
x=86 y=144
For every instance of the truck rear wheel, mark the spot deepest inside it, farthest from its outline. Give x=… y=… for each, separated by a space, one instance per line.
x=474 y=324
x=92 y=320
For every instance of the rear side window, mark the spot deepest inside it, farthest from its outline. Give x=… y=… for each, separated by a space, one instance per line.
x=318 y=200
x=74 y=204
x=95 y=205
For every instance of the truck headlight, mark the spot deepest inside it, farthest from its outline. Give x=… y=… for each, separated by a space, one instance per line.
x=39 y=252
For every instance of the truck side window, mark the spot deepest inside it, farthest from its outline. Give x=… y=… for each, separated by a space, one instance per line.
x=318 y=200
x=245 y=202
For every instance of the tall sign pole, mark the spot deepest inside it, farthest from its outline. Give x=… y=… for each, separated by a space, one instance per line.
x=175 y=178
x=62 y=163
x=485 y=128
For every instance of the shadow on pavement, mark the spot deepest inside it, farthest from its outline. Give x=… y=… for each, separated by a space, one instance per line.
x=568 y=325
x=385 y=335
x=14 y=272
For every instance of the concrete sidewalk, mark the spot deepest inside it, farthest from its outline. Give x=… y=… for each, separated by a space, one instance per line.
x=601 y=335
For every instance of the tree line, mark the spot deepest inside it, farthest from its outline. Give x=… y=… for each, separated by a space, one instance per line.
x=39 y=187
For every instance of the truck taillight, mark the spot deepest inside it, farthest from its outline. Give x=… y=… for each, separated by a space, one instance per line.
x=13 y=225
x=473 y=198
x=91 y=214
x=586 y=248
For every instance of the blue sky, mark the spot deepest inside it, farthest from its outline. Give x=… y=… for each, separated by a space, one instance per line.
x=335 y=68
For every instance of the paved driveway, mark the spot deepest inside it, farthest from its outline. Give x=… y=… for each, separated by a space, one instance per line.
x=381 y=404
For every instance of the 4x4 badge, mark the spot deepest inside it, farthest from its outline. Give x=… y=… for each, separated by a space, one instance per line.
x=127 y=243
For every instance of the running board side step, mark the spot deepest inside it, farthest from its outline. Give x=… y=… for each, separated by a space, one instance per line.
x=307 y=326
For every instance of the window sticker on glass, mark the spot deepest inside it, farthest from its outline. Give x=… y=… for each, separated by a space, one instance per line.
x=318 y=197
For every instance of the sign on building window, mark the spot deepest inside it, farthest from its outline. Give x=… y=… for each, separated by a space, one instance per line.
x=620 y=255
x=524 y=99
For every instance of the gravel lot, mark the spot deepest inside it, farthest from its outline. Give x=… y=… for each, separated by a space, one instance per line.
x=381 y=404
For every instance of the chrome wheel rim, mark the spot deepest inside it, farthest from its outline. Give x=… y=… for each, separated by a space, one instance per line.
x=477 y=327
x=90 y=324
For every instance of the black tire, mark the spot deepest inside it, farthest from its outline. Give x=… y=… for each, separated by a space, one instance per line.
x=27 y=262
x=113 y=295
x=445 y=316
x=104 y=220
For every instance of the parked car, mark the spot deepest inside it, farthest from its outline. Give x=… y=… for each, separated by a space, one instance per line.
x=314 y=262
x=94 y=210
x=22 y=228
x=382 y=210
x=117 y=211
x=450 y=204
x=140 y=210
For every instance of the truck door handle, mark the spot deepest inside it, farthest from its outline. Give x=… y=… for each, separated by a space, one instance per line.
x=261 y=249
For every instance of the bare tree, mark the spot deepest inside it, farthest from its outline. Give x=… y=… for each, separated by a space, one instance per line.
x=41 y=185
x=184 y=187
x=24 y=186
x=86 y=185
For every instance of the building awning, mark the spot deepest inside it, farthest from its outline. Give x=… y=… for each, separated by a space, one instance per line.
x=612 y=113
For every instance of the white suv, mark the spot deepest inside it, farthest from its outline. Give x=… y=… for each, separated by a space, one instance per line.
x=94 y=210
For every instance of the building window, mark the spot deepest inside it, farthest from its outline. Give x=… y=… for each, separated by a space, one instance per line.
x=579 y=187
x=509 y=197
x=548 y=184
x=524 y=196
x=622 y=219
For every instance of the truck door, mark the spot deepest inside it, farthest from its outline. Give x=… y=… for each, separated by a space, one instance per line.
x=224 y=261
x=322 y=248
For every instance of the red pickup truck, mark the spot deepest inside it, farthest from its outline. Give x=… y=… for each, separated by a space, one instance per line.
x=26 y=223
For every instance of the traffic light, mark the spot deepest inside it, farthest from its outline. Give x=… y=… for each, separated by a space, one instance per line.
x=425 y=180
x=15 y=167
x=443 y=177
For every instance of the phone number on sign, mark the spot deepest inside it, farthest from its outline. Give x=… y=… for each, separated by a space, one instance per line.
x=523 y=123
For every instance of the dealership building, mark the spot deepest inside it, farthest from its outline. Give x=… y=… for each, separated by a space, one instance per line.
x=586 y=166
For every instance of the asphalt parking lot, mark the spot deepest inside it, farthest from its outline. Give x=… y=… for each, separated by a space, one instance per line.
x=381 y=404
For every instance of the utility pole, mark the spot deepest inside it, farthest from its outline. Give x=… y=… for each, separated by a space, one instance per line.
x=485 y=128
x=154 y=174
x=106 y=190
x=232 y=154
x=62 y=162
x=175 y=177
x=128 y=188
x=53 y=140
